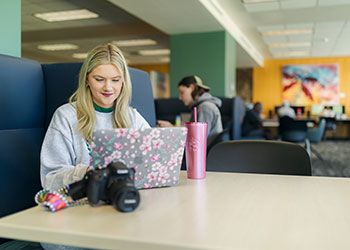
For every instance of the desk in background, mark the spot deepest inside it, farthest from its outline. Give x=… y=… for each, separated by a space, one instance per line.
x=342 y=127
x=224 y=211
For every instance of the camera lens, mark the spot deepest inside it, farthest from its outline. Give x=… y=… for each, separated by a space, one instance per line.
x=126 y=199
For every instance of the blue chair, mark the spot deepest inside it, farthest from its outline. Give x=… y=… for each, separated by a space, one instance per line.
x=315 y=135
x=292 y=130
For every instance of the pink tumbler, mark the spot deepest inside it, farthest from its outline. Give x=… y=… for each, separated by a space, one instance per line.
x=196 y=149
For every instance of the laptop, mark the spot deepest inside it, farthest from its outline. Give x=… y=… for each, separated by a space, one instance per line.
x=155 y=153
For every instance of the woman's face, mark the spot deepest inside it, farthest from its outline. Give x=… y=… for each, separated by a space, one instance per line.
x=185 y=94
x=105 y=82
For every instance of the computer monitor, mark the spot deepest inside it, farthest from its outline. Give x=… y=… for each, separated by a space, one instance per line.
x=316 y=109
x=299 y=110
x=338 y=109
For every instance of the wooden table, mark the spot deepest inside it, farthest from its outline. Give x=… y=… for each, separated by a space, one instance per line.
x=224 y=211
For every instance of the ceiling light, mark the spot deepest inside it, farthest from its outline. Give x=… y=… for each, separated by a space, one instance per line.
x=164 y=60
x=287 y=32
x=135 y=42
x=80 y=55
x=59 y=46
x=155 y=52
x=58 y=16
x=257 y=1
x=292 y=53
x=290 y=45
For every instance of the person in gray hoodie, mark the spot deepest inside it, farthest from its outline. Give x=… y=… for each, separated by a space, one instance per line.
x=193 y=93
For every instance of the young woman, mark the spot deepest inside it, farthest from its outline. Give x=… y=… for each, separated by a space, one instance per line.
x=193 y=93
x=100 y=102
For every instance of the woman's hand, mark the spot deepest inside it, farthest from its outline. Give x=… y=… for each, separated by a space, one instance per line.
x=164 y=124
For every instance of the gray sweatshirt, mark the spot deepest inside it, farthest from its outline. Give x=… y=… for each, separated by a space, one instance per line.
x=64 y=154
x=208 y=111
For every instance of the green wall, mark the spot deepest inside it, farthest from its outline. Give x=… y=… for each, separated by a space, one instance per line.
x=209 y=55
x=10 y=27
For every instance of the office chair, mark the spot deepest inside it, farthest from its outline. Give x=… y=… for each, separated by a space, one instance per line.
x=331 y=124
x=315 y=135
x=264 y=157
x=220 y=137
x=291 y=130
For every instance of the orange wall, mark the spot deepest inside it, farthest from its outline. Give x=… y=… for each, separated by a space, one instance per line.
x=267 y=81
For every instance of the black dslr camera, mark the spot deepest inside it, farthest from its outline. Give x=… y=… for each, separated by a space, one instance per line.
x=112 y=185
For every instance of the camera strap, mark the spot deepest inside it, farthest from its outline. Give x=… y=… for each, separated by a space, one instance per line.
x=57 y=200
x=60 y=199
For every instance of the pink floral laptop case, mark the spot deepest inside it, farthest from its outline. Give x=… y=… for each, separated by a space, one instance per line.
x=155 y=153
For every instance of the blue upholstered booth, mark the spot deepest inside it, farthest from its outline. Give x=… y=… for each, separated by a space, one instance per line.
x=22 y=115
x=30 y=93
x=168 y=108
x=239 y=110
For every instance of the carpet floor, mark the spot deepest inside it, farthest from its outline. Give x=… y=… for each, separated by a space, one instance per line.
x=336 y=155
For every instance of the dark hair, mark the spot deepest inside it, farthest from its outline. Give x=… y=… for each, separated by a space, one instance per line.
x=188 y=81
x=257 y=107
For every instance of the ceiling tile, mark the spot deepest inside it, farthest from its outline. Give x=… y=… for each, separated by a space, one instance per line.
x=347 y=25
x=321 y=53
x=275 y=39
x=329 y=25
x=270 y=27
x=321 y=47
x=340 y=47
x=299 y=25
x=341 y=52
x=344 y=36
x=299 y=49
x=259 y=7
x=333 y=2
x=297 y=4
x=300 y=38
x=114 y=23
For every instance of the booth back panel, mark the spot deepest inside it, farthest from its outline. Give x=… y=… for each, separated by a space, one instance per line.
x=62 y=80
x=22 y=111
x=22 y=95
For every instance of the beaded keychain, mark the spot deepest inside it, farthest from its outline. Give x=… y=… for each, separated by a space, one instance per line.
x=57 y=200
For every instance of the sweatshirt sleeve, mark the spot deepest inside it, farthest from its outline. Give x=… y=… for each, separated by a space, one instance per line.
x=205 y=116
x=138 y=121
x=58 y=159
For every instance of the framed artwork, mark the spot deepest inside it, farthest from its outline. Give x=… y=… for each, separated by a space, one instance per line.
x=304 y=85
x=160 y=84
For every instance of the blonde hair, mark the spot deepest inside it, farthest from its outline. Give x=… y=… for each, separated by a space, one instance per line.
x=101 y=55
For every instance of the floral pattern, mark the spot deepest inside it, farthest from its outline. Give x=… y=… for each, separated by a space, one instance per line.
x=154 y=153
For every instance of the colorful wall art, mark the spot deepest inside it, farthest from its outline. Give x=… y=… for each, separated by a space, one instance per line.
x=305 y=85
